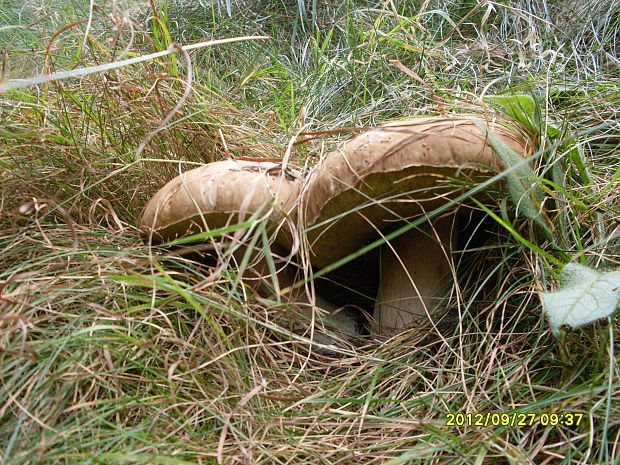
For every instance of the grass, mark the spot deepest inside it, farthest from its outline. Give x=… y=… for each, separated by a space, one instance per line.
x=113 y=352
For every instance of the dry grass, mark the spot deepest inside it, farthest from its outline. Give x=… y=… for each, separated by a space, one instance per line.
x=115 y=352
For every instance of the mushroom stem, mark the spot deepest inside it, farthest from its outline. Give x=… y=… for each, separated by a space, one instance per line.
x=415 y=275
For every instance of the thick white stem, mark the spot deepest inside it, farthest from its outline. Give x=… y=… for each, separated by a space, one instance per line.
x=415 y=275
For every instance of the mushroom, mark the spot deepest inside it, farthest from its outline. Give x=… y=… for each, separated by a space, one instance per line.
x=219 y=194
x=227 y=192
x=394 y=173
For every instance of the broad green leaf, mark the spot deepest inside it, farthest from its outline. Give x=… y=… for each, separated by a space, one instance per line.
x=527 y=111
x=521 y=107
x=585 y=295
x=522 y=182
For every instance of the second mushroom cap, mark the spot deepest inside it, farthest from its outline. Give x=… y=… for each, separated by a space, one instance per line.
x=217 y=194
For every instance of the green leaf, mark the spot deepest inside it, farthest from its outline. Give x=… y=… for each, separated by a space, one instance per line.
x=523 y=184
x=585 y=295
x=521 y=107
x=571 y=149
x=527 y=111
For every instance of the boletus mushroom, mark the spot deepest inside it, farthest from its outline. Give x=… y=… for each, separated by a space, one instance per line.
x=219 y=194
x=228 y=192
x=397 y=173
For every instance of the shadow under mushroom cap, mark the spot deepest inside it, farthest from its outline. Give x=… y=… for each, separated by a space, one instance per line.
x=398 y=170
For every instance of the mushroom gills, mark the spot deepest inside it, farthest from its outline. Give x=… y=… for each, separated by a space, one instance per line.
x=415 y=276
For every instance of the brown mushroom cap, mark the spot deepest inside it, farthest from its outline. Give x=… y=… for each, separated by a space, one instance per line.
x=345 y=202
x=216 y=195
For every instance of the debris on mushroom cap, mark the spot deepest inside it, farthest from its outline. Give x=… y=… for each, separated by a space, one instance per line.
x=346 y=200
x=217 y=194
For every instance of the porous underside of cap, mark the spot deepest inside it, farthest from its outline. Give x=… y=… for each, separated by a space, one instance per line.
x=397 y=171
x=217 y=194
